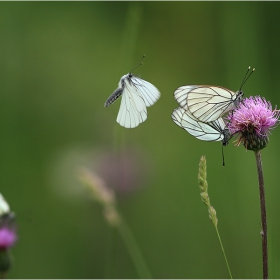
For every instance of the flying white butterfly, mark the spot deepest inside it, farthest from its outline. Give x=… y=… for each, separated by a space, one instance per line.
x=208 y=103
x=212 y=131
x=137 y=95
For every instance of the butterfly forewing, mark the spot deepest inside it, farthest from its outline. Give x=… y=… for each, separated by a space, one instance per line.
x=181 y=94
x=205 y=103
x=149 y=92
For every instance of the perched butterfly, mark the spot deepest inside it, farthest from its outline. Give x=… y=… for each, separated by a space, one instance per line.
x=137 y=95
x=208 y=103
x=4 y=206
x=6 y=216
x=212 y=131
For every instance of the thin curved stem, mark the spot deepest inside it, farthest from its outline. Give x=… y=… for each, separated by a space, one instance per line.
x=134 y=251
x=263 y=214
x=223 y=252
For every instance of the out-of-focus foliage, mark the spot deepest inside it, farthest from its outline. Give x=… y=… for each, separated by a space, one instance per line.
x=59 y=61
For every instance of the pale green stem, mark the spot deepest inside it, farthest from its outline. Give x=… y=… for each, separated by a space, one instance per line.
x=134 y=250
x=108 y=263
x=223 y=251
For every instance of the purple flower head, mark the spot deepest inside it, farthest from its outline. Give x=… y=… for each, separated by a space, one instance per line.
x=252 y=120
x=7 y=238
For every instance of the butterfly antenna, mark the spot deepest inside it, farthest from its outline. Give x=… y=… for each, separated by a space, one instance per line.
x=247 y=75
x=139 y=63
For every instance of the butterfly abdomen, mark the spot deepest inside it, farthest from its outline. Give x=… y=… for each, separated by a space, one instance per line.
x=227 y=136
x=113 y=97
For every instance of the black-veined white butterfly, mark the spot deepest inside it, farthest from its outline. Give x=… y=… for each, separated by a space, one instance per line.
x=212 y=131
x=6 y=216
x=4 y=206
x=208 y=103
x=137 y=95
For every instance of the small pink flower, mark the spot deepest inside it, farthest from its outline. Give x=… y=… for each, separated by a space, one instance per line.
x=252 y=120
x=7 y=237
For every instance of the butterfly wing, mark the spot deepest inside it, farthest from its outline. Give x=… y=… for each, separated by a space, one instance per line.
x=133 y=109
x=149 y=92
x=203 y=131
x=181 y=95
x=205 y=103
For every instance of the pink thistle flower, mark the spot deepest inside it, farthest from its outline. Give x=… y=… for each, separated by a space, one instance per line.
x=7 y=238
x=252 y=120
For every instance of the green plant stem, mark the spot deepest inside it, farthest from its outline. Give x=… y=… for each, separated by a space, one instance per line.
x=134 y=250
x=223 y=252
x=263 y=215
x=108 y=261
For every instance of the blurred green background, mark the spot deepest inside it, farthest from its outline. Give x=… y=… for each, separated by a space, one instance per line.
x=59 y=62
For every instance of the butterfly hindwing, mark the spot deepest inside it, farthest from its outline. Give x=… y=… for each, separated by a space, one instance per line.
x=213 y=131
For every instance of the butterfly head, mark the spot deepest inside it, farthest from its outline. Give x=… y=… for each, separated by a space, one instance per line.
x=239 y=97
